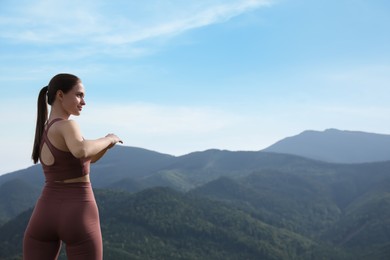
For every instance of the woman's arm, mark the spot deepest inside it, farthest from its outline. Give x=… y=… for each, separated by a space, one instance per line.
x=82 y=148
x=101 y=153
x=98 y=155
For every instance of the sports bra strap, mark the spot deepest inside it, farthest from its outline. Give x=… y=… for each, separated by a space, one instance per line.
x=52 y=122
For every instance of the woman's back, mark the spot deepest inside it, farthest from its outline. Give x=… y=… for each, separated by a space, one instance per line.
x=57 y=163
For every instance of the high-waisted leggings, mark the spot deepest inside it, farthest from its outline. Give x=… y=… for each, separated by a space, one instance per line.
x=67 y=213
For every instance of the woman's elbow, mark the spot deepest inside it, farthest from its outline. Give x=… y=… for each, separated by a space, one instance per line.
x=80 y=153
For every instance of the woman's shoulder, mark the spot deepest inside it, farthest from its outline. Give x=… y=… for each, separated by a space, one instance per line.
x=68 y=129
x=69 y=123
x=66 y=125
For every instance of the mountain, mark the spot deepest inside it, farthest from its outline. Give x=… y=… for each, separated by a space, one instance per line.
x=312 y=208
x=161 y=223
x=242 y=205
x=144 y=168
x=265 y=215
x=129 y=162
x=119 y=169
x=336 y=146
x=15 y=197
x=134 y=169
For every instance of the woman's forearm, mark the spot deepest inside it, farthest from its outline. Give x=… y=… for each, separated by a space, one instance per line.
x=99 y=155
x=90 y=148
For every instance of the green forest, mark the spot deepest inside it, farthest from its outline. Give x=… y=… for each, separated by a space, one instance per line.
x=218 y=205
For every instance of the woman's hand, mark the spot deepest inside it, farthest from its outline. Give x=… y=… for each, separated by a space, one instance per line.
x=114 y=140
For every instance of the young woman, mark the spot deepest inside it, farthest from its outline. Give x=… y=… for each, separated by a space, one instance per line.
x=66 y=210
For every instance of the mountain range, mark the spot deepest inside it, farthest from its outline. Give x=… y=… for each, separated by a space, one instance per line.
x=219 y=204
x=336 y=146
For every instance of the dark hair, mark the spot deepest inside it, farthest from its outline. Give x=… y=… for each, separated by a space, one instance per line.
x=64 y=82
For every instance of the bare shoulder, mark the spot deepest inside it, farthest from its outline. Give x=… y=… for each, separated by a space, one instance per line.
x=68 y=123
x=69 y=127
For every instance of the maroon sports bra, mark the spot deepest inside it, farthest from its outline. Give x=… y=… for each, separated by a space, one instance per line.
x=65 y=165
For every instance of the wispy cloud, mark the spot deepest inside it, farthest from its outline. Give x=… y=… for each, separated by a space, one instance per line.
x=54 y=35
x=50 y=22
x=210 y=15
x=63 y=22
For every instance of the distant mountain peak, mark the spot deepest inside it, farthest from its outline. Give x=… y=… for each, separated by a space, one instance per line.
x=337 y=146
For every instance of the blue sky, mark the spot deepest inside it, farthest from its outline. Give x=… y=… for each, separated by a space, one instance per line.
x=181 y=76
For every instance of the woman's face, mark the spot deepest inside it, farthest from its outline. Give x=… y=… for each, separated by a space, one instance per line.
x=73 y=101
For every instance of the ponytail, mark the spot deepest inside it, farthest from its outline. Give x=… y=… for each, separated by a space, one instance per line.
x=64 y=82
x=40 y=125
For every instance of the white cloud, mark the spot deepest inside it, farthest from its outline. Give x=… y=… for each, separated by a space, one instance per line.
x=51 y=22
x=210 y=15
x=62 y=22
x=43 y=37
x=157 y=120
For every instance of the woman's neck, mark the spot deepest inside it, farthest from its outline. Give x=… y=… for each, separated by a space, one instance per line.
x=54 y=115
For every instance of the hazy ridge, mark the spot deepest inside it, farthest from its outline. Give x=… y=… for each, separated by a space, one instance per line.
x=222 y=205
x=336 y=146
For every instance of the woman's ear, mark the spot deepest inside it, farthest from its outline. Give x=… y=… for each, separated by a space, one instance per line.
x=59 y=94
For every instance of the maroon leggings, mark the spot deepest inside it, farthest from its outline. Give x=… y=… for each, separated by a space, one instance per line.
x=68 y=213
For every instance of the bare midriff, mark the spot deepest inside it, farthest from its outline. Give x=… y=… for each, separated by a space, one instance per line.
x=84 y=178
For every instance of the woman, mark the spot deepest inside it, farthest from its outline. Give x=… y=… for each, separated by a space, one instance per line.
x=66 y=210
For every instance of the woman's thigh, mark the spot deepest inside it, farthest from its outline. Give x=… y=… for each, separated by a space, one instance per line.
x=40 y=239
x=80 y=230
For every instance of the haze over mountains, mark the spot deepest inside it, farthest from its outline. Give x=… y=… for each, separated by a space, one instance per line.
x=230 y=205
x=336 y=146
